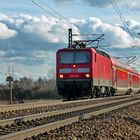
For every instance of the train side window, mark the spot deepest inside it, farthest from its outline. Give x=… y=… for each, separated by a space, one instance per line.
x=95 y=58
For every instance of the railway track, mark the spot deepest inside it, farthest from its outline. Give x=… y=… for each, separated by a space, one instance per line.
x=55 y=111
x=33 y=125
x=13 y=107
x=4 y=108
x=30 y=110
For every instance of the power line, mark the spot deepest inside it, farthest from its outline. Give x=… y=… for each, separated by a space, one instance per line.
x=54 y=15
x=60 y=17
x=116 y=8
x=57 y=15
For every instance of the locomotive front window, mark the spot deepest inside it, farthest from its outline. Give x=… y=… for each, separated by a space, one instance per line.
x=74 y=57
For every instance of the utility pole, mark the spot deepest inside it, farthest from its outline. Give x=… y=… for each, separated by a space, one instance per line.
x=70 y=38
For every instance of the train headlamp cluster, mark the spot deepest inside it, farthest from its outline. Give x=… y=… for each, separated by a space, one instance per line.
x=87 y=75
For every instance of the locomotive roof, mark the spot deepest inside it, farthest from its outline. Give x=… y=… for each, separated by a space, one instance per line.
x=98 y=51
x=75 y=49
x=102 y=53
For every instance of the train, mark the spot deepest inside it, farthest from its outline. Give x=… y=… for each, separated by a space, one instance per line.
x=90 y=72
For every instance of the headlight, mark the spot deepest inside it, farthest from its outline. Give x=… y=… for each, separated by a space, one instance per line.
x=61 y=76
x=87 y=75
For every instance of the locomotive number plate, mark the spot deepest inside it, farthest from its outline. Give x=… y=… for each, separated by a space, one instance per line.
x=74 y=75
x=74 y=70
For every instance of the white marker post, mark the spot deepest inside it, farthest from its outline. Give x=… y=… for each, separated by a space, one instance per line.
x=9 y=79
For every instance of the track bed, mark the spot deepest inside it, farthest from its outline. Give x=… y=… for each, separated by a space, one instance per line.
x=122 y=124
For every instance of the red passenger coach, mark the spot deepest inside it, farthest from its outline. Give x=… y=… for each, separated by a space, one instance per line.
x=82 y=71
x=126 y=79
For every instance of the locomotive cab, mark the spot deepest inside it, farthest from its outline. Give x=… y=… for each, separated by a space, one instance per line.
x=74 y=76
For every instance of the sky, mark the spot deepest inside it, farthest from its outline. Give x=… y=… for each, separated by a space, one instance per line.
x=30 y=36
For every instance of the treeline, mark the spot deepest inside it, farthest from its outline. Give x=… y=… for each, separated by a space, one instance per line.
x=27 y=88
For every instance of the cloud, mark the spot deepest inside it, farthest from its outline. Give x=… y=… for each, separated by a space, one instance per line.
x=105 y=3
x=29 y=43
x=5 y=32
x=114 y=34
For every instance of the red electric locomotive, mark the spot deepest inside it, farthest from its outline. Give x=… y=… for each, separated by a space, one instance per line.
x=89 y=72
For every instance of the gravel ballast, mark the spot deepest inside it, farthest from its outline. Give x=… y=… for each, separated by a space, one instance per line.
x=121 y=124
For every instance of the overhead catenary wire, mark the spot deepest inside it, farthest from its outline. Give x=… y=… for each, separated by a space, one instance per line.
x=41 y=7
x=116 y=8
x=67 y=22
x=57 y=15
x=124 y=21
x=60 y=17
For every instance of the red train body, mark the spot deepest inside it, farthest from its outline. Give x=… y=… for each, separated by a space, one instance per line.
x=89 y=72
